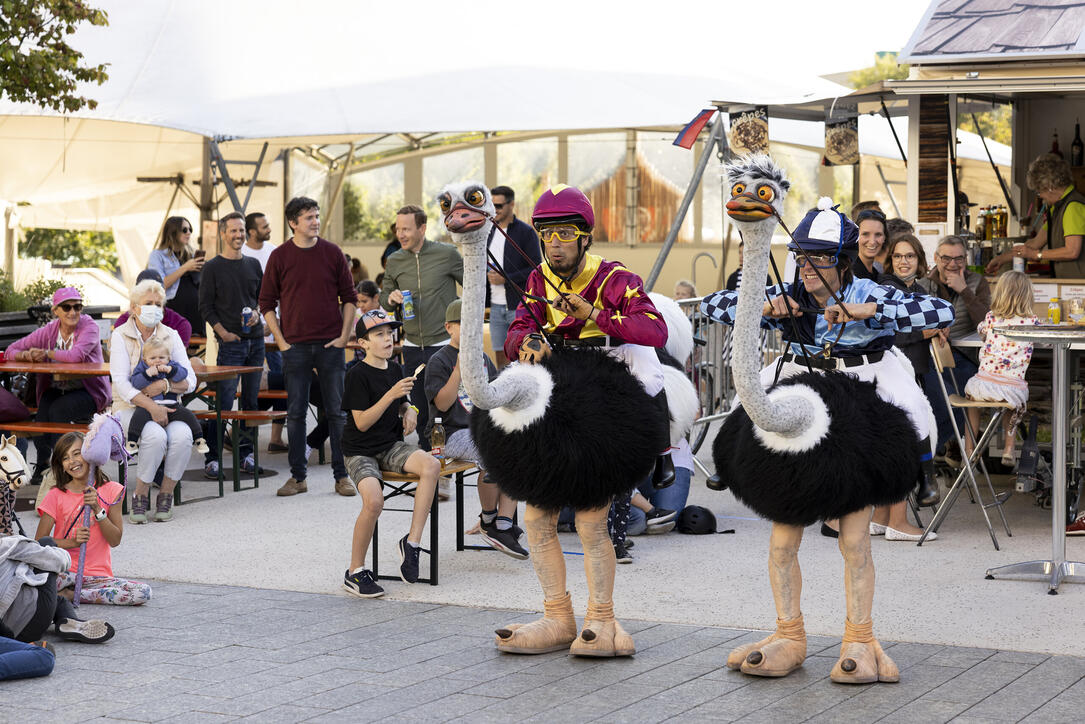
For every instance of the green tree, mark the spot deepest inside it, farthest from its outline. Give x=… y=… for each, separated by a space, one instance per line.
x=36 y=63
x=75 y=248
x=885 y=68
x=363 y=219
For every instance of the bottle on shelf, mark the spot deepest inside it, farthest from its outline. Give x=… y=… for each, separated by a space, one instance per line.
x=437 y=441
x=1055 y=143
x=1054 y=311
x=1077 y=149
x=981 y=222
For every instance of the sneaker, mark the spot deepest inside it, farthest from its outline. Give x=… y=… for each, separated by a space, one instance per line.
x=87 y=632
x=1077 y=527
x=140 y=504
x=659 y=520
x=292 y=487
x=163 y=508
x=505 y=541
x=361 y=584
x=211 y=470
x=248 y=465
x=408 y=561
x=346 y=488
x=444 y=488
x=308 y=452
x=629 y=543
x=621 y=554
x=201 y=446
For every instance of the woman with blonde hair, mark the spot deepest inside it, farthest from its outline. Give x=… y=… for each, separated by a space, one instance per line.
x=179 y=264
x=1004 y=361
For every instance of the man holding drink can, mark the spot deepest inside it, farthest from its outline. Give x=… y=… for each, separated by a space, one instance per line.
x=420 y=281
x=229 y=293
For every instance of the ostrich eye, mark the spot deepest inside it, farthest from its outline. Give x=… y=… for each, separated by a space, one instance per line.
x=3 y=458
x=475 y=197
x=765 y=193
x=446 y=204
x=738 y=189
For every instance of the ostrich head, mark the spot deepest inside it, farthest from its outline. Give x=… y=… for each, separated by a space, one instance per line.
x=792 y=418
x=521 y=394
x=468 y=209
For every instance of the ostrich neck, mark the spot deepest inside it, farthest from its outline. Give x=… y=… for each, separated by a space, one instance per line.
x=472 y=367
x=788 y=416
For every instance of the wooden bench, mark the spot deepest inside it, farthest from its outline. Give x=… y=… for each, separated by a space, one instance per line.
x=245 y=425
x=400 y=484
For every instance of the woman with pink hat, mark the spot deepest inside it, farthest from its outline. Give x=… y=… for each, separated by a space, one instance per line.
x=71 y=337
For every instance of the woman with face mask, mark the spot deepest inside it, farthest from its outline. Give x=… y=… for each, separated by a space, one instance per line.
x=160 y=439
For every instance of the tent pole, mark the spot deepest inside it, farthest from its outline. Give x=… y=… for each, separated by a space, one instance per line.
x=715 y=136
x=338 y=189
x=205 y=183
x=256 y=174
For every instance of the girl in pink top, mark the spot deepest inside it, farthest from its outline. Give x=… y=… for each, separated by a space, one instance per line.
x=1003 y=361
x=62 y=517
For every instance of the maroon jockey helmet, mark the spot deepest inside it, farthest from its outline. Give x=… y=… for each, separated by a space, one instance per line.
x=563 y=203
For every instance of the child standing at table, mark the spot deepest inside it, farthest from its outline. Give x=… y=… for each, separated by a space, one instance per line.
x=62 y=518
x=157 y=365
x=379 y=414
x=1003 y=361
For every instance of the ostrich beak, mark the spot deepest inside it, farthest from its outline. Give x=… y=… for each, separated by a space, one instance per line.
x=462 y=219
x=747 y=207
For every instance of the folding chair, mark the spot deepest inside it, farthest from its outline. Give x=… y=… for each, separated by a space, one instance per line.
x=942 y=356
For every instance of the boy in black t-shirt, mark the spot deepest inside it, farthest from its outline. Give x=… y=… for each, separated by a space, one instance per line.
x=379 y=413
x=448 y=400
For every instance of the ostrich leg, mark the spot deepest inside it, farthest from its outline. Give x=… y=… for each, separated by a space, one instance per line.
x=862 y=660
x=557 y=628
x=785 y=650
x=602 y=634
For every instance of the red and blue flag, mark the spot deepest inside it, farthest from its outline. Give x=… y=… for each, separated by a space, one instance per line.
x=688 y=135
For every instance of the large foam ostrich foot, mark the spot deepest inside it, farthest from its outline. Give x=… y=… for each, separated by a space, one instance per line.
x=553 y=632
x=778 y=655
x=602 y=635
x=862 y=660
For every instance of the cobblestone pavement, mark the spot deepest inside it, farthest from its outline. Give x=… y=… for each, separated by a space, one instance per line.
x=215 y=653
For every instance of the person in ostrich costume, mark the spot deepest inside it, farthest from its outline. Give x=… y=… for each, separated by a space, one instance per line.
x=840 y=432
x=588 y=407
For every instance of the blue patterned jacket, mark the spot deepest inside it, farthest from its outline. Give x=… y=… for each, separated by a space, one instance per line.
x=898 y=311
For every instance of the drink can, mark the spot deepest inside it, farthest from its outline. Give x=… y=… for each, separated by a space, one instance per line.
x=1019 y=263
x=408 y=304
x=246 y=316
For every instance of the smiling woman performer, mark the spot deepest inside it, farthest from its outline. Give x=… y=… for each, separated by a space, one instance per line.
x=873 y=235
x=826 y=245
x=71 y=337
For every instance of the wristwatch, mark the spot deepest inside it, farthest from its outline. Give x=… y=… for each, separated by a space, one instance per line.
x=101 y=514
x=1039 y=255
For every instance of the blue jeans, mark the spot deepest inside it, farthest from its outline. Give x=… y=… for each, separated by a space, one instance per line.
x=248 y=352
x=500 y=319
x=964 y=371
x=23 y=661
x=672 y=497
x=298 y=364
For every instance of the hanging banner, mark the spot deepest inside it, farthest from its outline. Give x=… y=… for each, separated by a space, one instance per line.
x=842 y=135
x=749 y=130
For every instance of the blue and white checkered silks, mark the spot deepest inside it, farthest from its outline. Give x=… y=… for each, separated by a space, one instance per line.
x=826 y=231
x=898 y=311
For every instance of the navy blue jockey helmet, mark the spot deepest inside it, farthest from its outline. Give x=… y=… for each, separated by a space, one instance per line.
x=825 y=231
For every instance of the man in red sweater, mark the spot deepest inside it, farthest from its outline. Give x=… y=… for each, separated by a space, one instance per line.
x=310 y=279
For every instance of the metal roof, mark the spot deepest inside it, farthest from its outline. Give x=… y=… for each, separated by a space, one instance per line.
x=992 y=30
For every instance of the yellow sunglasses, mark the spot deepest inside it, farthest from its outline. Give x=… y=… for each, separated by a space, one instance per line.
x=564 y=234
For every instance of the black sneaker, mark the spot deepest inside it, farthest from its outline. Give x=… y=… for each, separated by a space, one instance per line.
x=361 y=584
x=659 y=520
x=502 y=540
x=621 y=554
x=408 y=561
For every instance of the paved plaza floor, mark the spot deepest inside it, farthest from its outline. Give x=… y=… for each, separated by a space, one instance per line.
x=205 y=653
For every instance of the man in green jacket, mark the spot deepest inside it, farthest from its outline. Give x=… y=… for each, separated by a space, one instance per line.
x=430 y=271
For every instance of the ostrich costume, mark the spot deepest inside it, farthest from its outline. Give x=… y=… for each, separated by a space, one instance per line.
x=570 y=430
x=818 y=444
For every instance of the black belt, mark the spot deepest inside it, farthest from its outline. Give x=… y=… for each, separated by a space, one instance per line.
x=556 y=340
x=834 y=363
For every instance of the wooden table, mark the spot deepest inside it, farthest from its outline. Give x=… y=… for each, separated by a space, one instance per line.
x=68 y=369
x=204 y=380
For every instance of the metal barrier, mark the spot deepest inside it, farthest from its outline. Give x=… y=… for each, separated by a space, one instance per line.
x=709 y=369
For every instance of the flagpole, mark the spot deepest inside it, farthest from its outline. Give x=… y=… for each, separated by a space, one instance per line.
x=715 y=136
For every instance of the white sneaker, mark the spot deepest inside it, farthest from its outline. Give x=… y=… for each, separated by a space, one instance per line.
x=894 y=534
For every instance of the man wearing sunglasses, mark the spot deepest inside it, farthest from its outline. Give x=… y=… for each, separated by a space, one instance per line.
x=970 y=295
x=517 y=263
